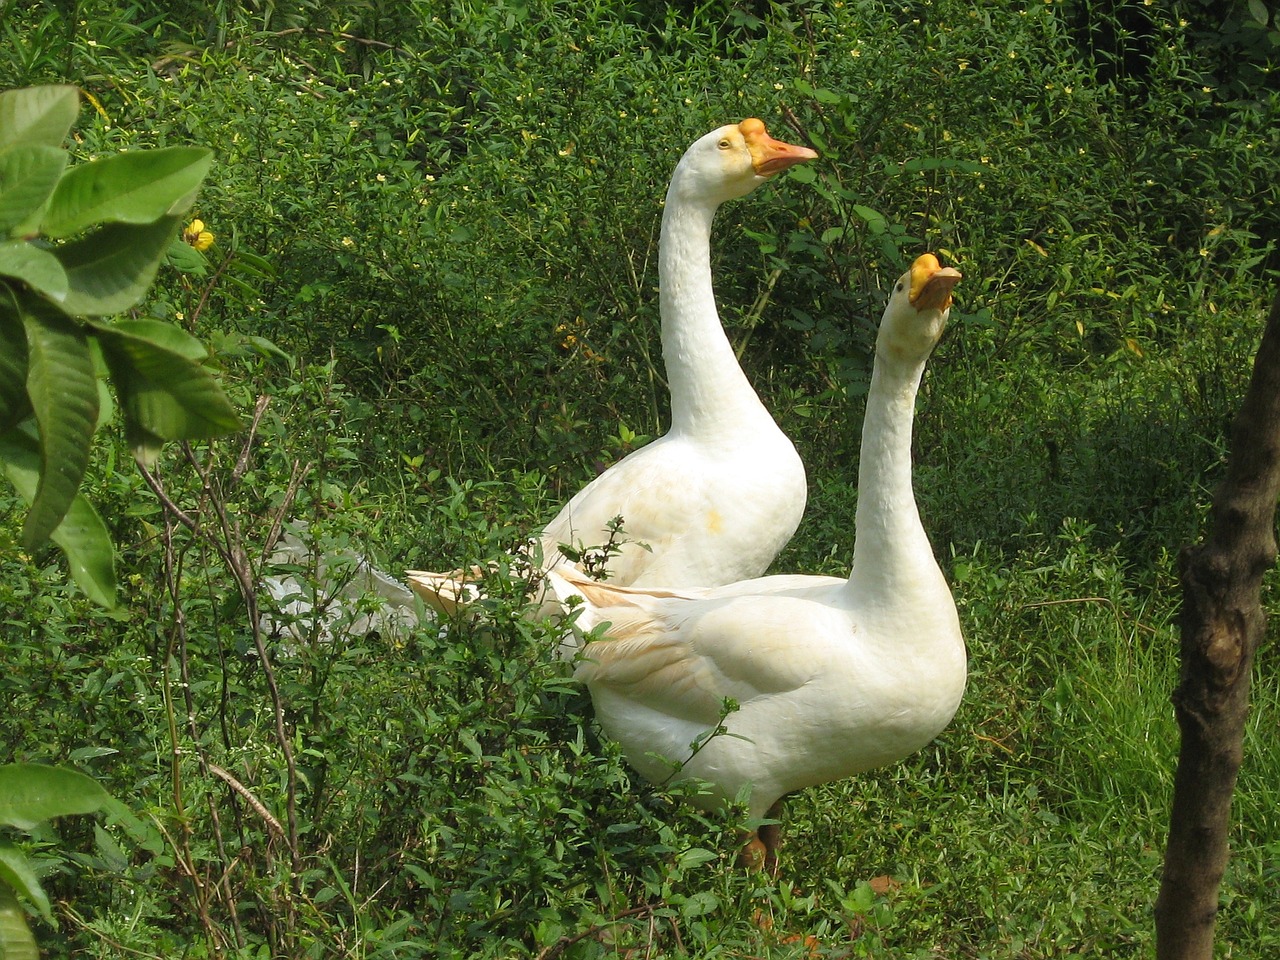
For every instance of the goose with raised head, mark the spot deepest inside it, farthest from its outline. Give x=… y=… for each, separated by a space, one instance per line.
x=714 y=499
x=830 y=676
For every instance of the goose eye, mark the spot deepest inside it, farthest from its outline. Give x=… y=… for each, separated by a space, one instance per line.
x=724 y=144
x=898 y=287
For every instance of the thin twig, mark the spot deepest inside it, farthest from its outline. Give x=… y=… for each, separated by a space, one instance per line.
x=755 y=314
x=177 y=512
x=1120 y=615
x=242 y=462
x=297 y=474
x=237 y=561
x=259 y=807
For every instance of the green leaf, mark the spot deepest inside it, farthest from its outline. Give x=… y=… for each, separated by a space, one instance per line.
x=251 y=263
x=700 y=903
x=164 y=391
x=64 y=397
x=31 y=793
x=28 y=176
x=167 y=336
x=110 y=270
x=941 y=163
x=874 y=220
x=41 y=115
x=37 y=268
x=139 y=187
x=113 y=858
x=185 y=258
x=85 y=541
x=16 y=873
x=1258 y=10
x=14 y=403
x=82 y=536
x=16 y=941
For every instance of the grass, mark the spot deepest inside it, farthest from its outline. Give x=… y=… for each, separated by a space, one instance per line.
x=443 y=201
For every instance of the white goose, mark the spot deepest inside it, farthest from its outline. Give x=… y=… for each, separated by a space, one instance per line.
x=831 y=677
x=714 y=499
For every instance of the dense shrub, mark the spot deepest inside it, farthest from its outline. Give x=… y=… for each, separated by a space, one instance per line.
x=436 y=255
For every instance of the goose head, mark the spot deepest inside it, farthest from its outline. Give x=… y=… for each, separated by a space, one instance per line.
x=733 y=160
x=917 y=311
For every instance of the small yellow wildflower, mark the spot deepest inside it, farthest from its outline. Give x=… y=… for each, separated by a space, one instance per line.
x=197 y=236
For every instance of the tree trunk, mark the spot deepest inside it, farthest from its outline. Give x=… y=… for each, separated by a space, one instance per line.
x=1222 y=623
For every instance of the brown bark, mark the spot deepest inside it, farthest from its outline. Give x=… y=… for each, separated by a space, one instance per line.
x=1222 y=623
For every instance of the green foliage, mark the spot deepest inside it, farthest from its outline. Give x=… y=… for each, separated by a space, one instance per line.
x=131 y=207
x=31 y=794
x=460 y=203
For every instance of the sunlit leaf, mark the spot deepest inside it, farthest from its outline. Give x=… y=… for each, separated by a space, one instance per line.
x=184 y=257
x=28 y=175
x=16 y=940
x=40 y=115
x=158 y=333
x=874 y=220
x=110 y=270
x=16 y=873
x=164 y=391
x=139 y=187
x=64 y=398
x=85 y=541
x=36 y=267
x=31 y=793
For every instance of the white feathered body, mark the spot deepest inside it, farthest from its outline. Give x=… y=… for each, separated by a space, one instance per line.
x=813 y=678
x=714 y=499
x=823 y=692
x=692 y=514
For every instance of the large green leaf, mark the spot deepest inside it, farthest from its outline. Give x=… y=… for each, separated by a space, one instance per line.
x=31 y=793
x=36 y=267
x=164 y=391
x=85 y=541
x=42 y=115
x=16 y=873
x=166 y=336
x=110 y=270
x=28 y=175
x=14 y=403
x=136 y=187
x=64 y=397
x=82 y=536
x=16 y=940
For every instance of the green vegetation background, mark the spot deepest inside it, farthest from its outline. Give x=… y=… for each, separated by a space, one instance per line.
x=459 y=205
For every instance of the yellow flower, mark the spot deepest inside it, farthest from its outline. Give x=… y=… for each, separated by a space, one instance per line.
x=197 y=236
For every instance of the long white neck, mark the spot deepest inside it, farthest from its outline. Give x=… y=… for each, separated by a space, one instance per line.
x=893 y=563
x=709 y=392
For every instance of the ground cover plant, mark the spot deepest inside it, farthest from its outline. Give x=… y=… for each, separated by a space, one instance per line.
x=435 y=237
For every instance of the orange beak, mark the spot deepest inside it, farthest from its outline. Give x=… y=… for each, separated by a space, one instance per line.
x=931 y=283
x=770 y=156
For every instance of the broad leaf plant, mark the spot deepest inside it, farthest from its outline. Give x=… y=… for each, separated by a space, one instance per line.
x=80 y=244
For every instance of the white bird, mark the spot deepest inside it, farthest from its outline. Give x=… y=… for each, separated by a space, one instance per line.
x=785 y=682
x=714 y=499
x=315 y=593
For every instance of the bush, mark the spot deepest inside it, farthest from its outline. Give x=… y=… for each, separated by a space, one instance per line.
x=447 y=220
